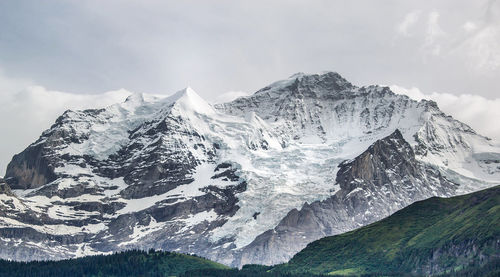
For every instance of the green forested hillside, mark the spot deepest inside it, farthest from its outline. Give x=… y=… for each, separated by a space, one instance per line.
x=129 y=263
x=433 y=236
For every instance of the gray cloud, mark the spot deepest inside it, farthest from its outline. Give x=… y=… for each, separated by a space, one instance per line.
x=218 y=46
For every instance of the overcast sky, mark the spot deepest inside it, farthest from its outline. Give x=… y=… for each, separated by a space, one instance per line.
x=63 y=54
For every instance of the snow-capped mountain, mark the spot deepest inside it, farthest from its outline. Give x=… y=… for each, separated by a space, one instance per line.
x=250 y=181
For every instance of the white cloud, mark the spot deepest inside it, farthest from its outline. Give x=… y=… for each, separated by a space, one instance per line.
x=481 y=44
x=456 y=51
x=476 y=111
x=9 y=84
x=434 y=33
x=408 y=22
x=469 y=26
x=483 y=48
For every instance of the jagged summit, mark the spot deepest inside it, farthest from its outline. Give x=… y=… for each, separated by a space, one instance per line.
x=326 y=79
x=373 y=164
x=188 y=100
x=309 y=85
x=136 y=97
x=296 y=75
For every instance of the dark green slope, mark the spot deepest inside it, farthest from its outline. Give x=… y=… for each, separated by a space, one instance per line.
x=129 y=263
x=428 y=237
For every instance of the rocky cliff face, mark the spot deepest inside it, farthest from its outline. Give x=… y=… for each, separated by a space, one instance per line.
x=5 y=188
x=464 y=252
x=31 y=168
x=241 y=182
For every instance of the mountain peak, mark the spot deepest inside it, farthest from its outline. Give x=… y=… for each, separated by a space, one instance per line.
x=325 y=73
x=134 y=100
x=188 y=100
x=135 y=97
x=325 y=80
x=391 y=152
x=314 y=85
x=185 y=92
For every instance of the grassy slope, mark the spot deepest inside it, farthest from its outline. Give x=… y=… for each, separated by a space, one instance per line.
x=129 y=263
x=407 y=238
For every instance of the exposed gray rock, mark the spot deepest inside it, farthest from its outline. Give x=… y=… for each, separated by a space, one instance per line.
x=31 y=168
x=4 y=188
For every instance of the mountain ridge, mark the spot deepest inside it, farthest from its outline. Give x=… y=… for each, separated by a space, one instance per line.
x=182 y=175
